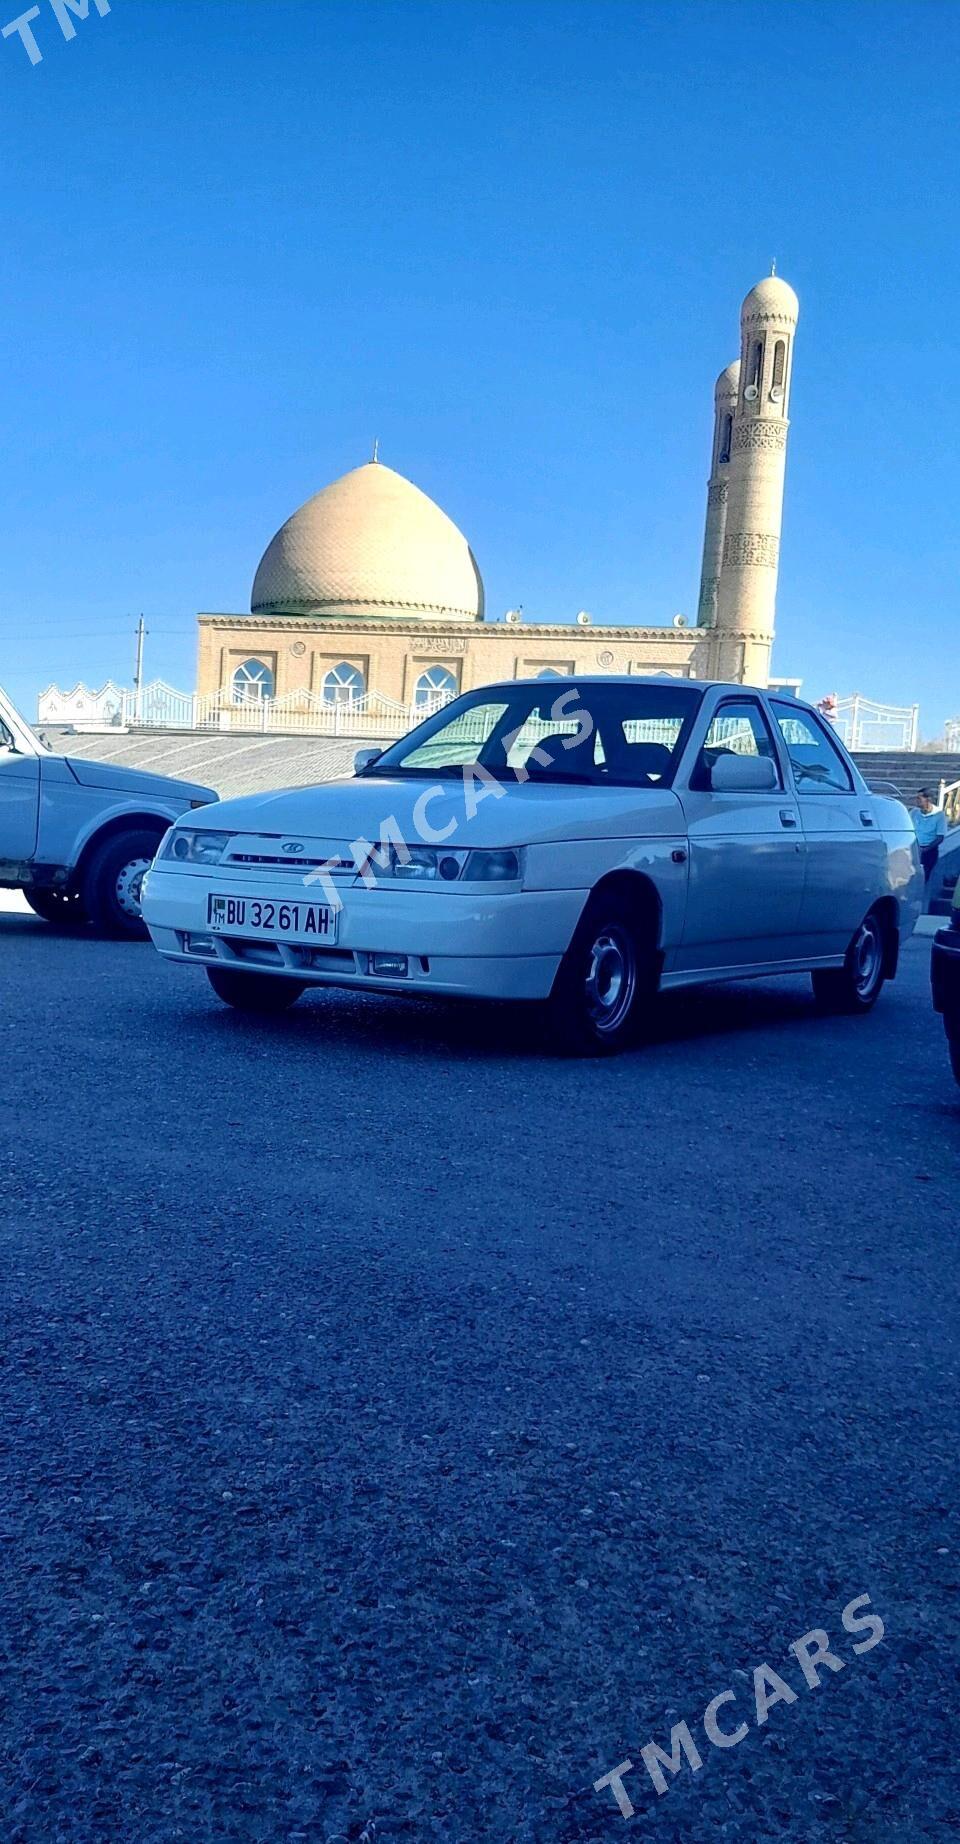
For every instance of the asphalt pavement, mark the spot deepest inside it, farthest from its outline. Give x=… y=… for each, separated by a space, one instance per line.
x=400 y=1429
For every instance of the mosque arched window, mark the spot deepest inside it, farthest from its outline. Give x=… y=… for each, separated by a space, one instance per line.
x=252 y=682
x=726 y=438
x=435 y=685
x=343 y=684
x=755 y=370
x=779 y=364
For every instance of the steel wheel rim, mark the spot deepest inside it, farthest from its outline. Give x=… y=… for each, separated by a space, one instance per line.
x=128 y=886
x=867 y=957
x=611 y=979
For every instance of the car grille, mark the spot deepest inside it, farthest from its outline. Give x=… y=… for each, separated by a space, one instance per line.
x=296 y=866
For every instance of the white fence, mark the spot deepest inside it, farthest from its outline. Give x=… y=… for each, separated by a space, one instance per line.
x=865 y=725
x=162 y=706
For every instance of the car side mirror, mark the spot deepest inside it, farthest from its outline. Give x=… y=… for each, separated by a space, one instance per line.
x=744 y=775
x=363 y=759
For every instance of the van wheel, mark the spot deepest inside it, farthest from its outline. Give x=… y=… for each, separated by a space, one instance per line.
x=605 y=972
x=856 y=986
x=61 y=907
x=255 y=992
x=112 y=880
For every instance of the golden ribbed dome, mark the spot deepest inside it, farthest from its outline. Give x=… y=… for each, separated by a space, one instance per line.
x=369 y=546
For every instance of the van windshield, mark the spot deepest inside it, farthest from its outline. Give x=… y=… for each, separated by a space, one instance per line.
x=588 y=732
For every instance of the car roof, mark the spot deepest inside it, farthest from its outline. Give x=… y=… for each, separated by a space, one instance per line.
x=637 y=678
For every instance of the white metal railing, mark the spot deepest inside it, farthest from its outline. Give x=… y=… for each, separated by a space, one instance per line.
x=866 y=725
x=162 y=706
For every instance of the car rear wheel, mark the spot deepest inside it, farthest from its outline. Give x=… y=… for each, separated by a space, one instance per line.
x=855 y=987
x=63 y=908
x=605 y=972
x=255 y=992
x=112 y=881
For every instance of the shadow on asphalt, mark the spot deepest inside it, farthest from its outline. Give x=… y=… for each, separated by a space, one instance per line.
x=469 y=1029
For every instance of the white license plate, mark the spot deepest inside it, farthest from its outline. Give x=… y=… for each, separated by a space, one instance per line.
x=260 y=915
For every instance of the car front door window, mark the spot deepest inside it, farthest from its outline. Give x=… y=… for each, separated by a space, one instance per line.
x=740 y=729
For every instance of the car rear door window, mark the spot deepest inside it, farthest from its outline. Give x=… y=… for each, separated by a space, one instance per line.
x=818 y=767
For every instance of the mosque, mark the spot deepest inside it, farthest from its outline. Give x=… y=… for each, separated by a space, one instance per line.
x=370 y=587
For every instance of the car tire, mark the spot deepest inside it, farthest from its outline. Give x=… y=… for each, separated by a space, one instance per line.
x=110 y=890
x=64 y=908
x=605 y=975
x=856 y=986
x=255 y=992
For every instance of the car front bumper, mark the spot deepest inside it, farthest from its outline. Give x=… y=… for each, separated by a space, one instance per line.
x=945 y=976
x=505 y=945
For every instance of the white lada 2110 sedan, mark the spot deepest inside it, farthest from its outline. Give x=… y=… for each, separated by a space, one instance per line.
x=583 y=842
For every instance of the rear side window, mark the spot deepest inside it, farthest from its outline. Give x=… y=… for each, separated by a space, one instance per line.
x=818 y=766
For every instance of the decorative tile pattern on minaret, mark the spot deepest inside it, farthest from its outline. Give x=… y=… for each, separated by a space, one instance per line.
x=747 y=593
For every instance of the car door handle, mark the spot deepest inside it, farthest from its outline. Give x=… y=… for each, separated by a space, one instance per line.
x=787 y=818
x=866 y=819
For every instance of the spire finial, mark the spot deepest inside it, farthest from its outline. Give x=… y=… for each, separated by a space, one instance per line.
x=773 y=267
x=376 y=449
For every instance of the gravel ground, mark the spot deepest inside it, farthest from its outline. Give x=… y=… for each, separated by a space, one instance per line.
x=400 y=1429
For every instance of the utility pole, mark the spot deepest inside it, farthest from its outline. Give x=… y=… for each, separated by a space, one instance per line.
x=138 y=673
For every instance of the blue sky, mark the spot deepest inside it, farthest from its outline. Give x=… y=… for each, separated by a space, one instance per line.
x=241 y=238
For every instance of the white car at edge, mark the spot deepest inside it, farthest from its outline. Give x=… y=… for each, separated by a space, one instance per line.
x=581 y=841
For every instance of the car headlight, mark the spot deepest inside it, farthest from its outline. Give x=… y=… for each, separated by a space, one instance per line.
x=185 y=846
x=436 y=864
x=486 y=867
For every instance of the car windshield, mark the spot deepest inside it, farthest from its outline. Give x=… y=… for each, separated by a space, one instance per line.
x=595 y=734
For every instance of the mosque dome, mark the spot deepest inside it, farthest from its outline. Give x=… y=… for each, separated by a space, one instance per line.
x=369 y=546
x=771 y=300
x=728 y=383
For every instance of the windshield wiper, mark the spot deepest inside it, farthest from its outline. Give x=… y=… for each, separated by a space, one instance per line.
x=557 y=777
x=418 y=772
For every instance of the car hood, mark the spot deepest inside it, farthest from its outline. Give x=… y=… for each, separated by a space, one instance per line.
x=445 y=812
x=116 y=776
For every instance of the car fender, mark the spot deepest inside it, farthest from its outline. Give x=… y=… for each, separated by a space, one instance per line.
x=581 y=864
x=66 y=838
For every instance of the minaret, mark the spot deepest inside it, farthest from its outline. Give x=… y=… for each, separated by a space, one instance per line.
x=725 y=403
x=746 y=601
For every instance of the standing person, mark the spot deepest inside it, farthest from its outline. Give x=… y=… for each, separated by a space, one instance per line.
x=930 y=826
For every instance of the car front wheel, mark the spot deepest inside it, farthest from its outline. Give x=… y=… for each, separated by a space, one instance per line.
x=856 y=986
x=254 y=992
x=112 y=880
x=600 y=982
